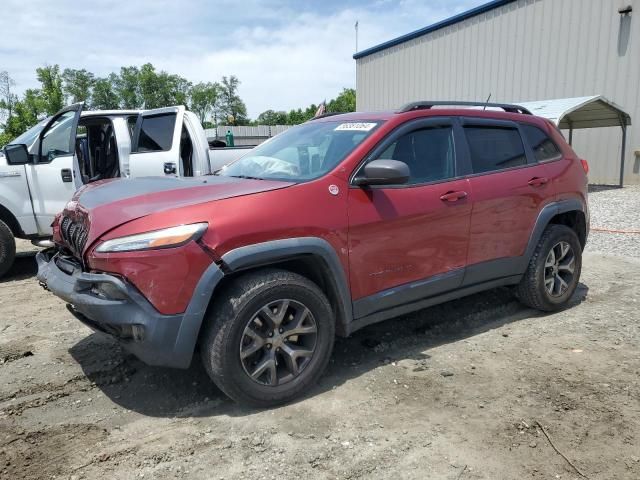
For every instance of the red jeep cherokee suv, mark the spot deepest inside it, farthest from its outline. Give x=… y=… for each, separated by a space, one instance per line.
x=332 y=225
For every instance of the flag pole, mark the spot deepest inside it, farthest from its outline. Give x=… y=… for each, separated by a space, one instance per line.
x=356 y=27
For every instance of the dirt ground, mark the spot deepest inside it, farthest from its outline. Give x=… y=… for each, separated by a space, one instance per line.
x=452 y=392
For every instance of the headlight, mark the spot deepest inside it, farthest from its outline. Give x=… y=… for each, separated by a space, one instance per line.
x=165 y=238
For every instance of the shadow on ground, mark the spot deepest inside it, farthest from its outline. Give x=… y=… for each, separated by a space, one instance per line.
x=602 y=188
x=24 y=267
x=163 y=392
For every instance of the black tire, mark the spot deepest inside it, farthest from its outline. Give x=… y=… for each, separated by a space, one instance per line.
x=533 y=288
x=7 y=248
x=234 y=310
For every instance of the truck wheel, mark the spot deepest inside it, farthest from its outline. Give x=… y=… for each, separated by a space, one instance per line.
x=7 y=248
x=554 y=270
x=268 y=337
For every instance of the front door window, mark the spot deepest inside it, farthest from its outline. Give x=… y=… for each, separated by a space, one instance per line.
x=56 y=140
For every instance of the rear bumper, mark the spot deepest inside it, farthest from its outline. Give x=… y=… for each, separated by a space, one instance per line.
x=110 y=305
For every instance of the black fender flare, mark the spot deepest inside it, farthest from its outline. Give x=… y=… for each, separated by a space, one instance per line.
x=544 y=217
x=274 y=251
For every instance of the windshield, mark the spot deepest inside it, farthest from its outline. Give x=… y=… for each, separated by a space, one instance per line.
x=31 y=135
x=301 y=153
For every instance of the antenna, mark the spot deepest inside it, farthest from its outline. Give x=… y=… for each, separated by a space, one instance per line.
x=356 y=27
x=487 y=102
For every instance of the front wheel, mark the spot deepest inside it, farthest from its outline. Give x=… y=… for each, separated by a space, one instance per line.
x=268 y=337
x=7 y=248
x=554 y=270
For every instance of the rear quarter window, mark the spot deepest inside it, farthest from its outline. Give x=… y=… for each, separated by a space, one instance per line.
x=494 y=148
x=544 y=149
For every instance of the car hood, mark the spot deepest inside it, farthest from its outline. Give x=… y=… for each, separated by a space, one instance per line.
x=99 y=207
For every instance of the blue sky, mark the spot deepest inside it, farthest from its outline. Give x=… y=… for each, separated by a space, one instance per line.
x=287 y=54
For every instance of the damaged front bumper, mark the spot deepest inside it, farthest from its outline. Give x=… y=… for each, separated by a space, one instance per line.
x=109 y=304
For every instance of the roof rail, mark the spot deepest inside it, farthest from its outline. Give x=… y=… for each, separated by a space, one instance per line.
x=426 y=105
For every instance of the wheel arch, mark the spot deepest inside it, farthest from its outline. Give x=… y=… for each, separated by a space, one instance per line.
x=12 y=222
x=576 y=221
x=311 y=257
x=570 y=212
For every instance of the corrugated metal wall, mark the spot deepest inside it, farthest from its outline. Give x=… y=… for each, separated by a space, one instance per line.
x=246 y=135
x=527 y=50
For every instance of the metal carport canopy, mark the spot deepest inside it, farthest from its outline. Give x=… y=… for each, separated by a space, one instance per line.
x=583 y=112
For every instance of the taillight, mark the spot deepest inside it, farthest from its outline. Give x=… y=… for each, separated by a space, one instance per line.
x=585 y=165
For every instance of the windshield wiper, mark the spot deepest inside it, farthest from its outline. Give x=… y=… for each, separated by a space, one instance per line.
x=246 y=177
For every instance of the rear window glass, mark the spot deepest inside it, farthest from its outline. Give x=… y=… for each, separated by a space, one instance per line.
x=156 y=133
x=542 y=146
x=494 y=148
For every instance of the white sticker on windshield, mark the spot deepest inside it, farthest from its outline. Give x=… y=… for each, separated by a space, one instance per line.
x=355 y=126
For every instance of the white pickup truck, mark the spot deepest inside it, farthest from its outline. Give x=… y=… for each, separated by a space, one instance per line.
x=41 y=169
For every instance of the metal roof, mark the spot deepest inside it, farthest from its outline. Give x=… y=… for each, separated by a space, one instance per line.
x=580 y=112
x=436 y=26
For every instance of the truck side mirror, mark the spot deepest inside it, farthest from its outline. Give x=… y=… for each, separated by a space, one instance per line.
x=17 y=154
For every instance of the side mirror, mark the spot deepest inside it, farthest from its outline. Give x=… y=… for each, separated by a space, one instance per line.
x=384 y=172
x=17 y=154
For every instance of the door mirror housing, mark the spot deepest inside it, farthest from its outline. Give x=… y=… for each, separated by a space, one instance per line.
x=384 y=172
x=17 y=154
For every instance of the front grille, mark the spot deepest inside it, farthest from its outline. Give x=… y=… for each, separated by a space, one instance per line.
x=74 y=234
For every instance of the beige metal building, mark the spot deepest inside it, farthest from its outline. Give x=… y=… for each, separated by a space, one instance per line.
x=522 y=50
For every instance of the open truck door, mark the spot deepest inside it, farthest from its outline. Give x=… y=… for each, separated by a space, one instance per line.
x=156 y=144
x=50 y=174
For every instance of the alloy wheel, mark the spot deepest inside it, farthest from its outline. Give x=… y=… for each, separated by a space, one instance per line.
x=559 y=268
x=278 y=342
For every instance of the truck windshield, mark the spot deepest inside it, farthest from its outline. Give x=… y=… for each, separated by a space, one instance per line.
x=302 y=153
x=30 y=136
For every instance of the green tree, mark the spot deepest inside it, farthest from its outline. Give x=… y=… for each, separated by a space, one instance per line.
x=127 y=87
x=345 y=102
x=104 y=95
x=7 y=98
x=51 y=88
x=204 y=100
x=231 y=107
x=149 y=86
x=26 y=113
x=77 y=85
x=162 y=89
x=180 y=90
x=310 y=112
x=296 y=117
x=271 y=117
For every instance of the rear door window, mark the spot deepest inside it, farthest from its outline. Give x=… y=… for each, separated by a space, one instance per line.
x=494 y=148
x=543 y=147
x=156 y=133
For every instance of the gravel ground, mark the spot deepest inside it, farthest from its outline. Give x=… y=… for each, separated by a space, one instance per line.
x=615 y=209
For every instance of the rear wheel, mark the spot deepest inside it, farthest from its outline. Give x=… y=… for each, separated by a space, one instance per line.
x=7 y=248
x=554 y=270
x=268 y=337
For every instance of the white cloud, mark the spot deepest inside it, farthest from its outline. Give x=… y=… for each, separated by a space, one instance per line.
x=287 y=54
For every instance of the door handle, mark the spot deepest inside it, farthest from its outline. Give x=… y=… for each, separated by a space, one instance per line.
x=453 y=196
x=538 y=181
x=66 y=175
x=170 y=168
